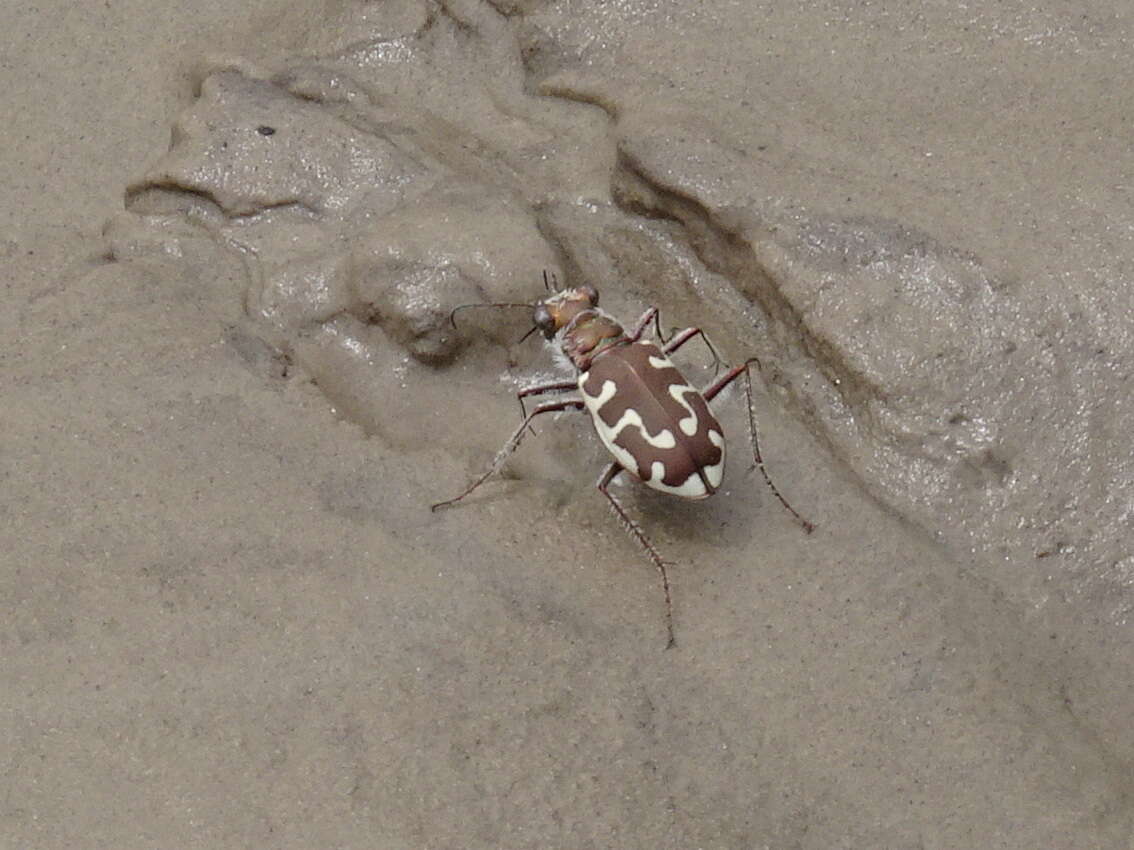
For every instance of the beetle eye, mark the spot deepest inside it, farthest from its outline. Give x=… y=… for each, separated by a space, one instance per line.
x=544 y=321
x=591 y=293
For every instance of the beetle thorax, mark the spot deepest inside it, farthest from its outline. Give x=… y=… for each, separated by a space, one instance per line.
x=589 y=334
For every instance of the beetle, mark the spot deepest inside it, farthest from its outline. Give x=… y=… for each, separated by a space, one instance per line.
x=656 y=425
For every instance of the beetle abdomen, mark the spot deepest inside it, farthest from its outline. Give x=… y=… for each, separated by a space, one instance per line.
x=657 y=426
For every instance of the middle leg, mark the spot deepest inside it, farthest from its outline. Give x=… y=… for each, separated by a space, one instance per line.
x=510 y=446
x=555 y=387
x=684 y=336
x=674 y=342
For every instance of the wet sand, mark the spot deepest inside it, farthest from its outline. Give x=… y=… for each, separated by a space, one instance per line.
x=232 y=244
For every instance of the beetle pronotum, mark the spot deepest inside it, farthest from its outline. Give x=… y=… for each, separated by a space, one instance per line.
x=657 y=426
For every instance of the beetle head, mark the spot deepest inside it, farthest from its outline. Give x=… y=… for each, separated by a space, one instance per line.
x=557 y=312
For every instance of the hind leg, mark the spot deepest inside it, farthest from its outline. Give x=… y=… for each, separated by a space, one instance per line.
x=710 y=393
x=636 y=532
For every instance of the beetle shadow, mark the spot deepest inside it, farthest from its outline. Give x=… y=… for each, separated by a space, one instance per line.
x=729 y=519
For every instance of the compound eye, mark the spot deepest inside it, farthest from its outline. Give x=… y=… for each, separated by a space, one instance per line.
x=544 y=321
x=591 y=294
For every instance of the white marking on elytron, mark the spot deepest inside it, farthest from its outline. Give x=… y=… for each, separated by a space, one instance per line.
x=594 y=403
x=691 y=488
x=688 y=424
x=664 y=439
x=714 y=473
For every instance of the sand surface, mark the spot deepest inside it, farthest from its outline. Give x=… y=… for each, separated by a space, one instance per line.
x=231 y=244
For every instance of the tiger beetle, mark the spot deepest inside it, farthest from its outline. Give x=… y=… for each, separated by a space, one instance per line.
x=657 y=426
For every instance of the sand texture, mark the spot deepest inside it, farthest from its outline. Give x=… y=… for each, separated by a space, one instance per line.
x=232 y=243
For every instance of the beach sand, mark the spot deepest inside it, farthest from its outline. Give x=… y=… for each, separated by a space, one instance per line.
x=232 y=241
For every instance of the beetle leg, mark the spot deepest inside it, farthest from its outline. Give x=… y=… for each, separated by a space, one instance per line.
x=651 y=315
x=674 y=342
x=510 y=446
x=714 y=389
x=636 y=532
x=557 y=387
x=726 y=379
x=682 y=337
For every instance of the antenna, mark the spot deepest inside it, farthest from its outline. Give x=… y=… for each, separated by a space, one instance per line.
x=453 y=315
